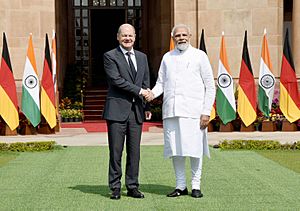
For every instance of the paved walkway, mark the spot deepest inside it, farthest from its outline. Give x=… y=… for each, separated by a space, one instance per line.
x=79 y=137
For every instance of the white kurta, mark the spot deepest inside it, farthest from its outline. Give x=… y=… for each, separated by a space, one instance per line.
x=186 y=79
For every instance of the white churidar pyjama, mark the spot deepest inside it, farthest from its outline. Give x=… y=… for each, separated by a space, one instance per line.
x=196 y=169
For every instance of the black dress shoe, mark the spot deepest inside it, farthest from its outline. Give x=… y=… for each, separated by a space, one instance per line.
x=178 y=192
x=196 y=193
x=116 y=194
x=135 y=193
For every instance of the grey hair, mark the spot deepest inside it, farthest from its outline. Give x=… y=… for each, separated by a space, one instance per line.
x=180 y=26
x=125 y=24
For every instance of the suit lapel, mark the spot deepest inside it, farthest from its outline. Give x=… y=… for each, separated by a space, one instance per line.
x=139 y=65
x=124 y=61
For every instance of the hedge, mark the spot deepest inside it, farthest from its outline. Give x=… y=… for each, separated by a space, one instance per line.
x=28 y=146
x=258 y=145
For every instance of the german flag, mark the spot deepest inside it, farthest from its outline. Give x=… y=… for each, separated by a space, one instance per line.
x=8 y=91
x=246 y=91
x=202 y=42
x=213 y=112
x=47 y=90
x=203 y=48
x=289 y=101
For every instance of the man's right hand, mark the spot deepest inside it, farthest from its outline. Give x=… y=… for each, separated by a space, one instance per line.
x=147 y=94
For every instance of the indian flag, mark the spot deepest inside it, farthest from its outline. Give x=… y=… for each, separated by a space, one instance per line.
x=31 y=88
x=172 y=45
x=266 y=80
x=225 y=101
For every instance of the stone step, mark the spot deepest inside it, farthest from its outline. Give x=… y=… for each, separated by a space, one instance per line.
x=93 y=103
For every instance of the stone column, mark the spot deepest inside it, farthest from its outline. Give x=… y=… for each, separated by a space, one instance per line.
x=296 y=35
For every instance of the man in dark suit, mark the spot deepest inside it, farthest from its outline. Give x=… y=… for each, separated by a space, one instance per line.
x=128 y=78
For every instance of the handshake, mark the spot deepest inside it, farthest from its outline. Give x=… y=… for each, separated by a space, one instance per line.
x=148 y=94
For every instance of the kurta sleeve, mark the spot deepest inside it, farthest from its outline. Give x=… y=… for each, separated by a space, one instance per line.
x=209 y=83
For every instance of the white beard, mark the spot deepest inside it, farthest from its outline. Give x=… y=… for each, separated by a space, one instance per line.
x=182 y=46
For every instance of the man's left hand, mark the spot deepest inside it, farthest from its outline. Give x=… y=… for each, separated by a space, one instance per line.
x=148 y=115
x=204 y=120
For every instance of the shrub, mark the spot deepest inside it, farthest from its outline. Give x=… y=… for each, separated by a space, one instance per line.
x=27 y=146
x=298 y=145
x=4 y=146
x=257 y=145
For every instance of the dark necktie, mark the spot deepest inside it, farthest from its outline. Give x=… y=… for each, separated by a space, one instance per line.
x=131 y=65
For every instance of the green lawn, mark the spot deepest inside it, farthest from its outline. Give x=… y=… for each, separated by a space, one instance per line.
x=287 y=158
x=5 y=157
x=76 y=179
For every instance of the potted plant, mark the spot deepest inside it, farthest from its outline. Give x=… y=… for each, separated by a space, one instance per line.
x=65 y=115
x=77 y=115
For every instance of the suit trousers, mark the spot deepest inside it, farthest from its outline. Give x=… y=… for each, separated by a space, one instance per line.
x=130 y=130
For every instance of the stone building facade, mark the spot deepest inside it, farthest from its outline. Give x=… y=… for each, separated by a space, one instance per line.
x=154 y=19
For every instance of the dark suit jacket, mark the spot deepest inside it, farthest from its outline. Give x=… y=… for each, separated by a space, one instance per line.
x=122 y=88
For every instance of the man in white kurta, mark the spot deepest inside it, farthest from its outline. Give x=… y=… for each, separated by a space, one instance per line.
x=186 y=79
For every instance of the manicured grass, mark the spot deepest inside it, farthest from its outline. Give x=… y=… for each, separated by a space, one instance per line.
x=5 y=157
x=287 y=158
x=76 y=179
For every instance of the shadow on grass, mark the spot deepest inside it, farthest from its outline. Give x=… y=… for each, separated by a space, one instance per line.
x=156 y=189
x=104 y=191
x=93 y=189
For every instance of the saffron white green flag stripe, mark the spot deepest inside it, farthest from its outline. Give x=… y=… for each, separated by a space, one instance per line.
x=225 y=101
x=266 y=80
x=31 y=88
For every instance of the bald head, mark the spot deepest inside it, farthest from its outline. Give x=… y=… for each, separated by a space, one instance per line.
x=125 y=26
x=126 y=36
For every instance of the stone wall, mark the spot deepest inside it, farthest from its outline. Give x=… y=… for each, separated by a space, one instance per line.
x=18 y=19
x=21 y=17
x=234 y=17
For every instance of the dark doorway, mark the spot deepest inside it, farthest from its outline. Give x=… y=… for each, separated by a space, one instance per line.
x=104 y=27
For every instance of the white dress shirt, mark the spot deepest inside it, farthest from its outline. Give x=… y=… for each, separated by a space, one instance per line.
x=132 y=56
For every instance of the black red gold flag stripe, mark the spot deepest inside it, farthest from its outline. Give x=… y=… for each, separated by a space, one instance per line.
x=246 y=91
x=8 y=92
x=47 y=90
x=289 y=100
x=202 y=42
x=203 y=48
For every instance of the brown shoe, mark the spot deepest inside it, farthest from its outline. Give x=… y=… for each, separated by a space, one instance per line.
x=178 y=192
